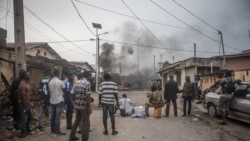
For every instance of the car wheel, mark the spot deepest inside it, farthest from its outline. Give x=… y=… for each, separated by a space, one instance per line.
x=212 y=111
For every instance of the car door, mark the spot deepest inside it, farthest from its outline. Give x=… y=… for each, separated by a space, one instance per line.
x=240 y=104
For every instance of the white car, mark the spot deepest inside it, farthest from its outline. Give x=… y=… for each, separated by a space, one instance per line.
x=239 y=106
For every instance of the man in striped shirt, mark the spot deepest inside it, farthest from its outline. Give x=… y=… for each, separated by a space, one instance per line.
x=108 y=94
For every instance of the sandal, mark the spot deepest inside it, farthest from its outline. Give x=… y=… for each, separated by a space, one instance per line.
x=114 y=132
x=105 y=132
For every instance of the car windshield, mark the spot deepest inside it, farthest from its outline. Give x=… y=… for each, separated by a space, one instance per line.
x=241 y=91
x=241 y=87
x=218 y=90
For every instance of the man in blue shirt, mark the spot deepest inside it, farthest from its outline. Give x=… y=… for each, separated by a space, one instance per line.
x=70 y=107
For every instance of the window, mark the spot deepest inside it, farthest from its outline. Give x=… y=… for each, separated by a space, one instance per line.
x=247 y=72
x=45 y=54
x=38 y=51
x=241 y=91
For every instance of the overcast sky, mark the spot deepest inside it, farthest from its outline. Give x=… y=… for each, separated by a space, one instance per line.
x=165 y=30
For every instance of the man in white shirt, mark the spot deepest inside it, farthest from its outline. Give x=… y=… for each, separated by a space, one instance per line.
x=56 y=88
x=125 y=106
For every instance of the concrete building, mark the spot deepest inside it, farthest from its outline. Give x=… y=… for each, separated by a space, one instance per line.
x=189 y=67
x=208 y=68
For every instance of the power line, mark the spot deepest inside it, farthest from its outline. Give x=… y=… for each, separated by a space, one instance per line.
x=148 y=46
x=68 y=41
x=149 y=21
x=35 y=30
x=73 y=49
x=189 y=25
x=29 y=10
x=196 y=16
x=32 y=28
x=5 y=16
x=82 y=19
x=146 y=27
x=121 y=14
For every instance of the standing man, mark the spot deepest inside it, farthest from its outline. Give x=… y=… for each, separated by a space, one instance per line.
x=24 y=105
x=228 y=87
x=170 y=94
x=108 y=94
x=44 y=91
x=198 y=88
x=69 y=105
x=56 y=88
x=188 y=95
x=14 y=98
x=81 y=94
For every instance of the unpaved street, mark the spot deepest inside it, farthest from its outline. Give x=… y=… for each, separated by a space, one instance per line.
x=172 y=128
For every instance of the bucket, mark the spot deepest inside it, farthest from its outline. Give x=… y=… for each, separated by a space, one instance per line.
x=157 y=112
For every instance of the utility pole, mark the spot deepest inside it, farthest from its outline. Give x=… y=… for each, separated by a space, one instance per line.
x=195 y=71
x=20 y=62
x=138 y=56
x=223 y=50
x=154 y=64
x=194 y=50
x=120 y=69
x=249 y=35
x=120 y=82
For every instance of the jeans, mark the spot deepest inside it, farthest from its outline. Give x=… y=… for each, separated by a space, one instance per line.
x=56 y=110
x=26 y=117
x=82 y=118
x=43 y=109
x=69 y=108
x=108 y=109
x=187 y=99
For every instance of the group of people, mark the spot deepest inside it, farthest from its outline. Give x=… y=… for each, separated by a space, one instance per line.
x=20 y=98
x=192 y=90
x=55 y=94
x=76 y=95
x=171 y=89
x=158 y=99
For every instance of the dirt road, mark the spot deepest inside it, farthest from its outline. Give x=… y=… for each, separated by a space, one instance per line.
x=149 y=129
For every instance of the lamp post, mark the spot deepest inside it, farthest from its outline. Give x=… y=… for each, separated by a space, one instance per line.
x=97 y=26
